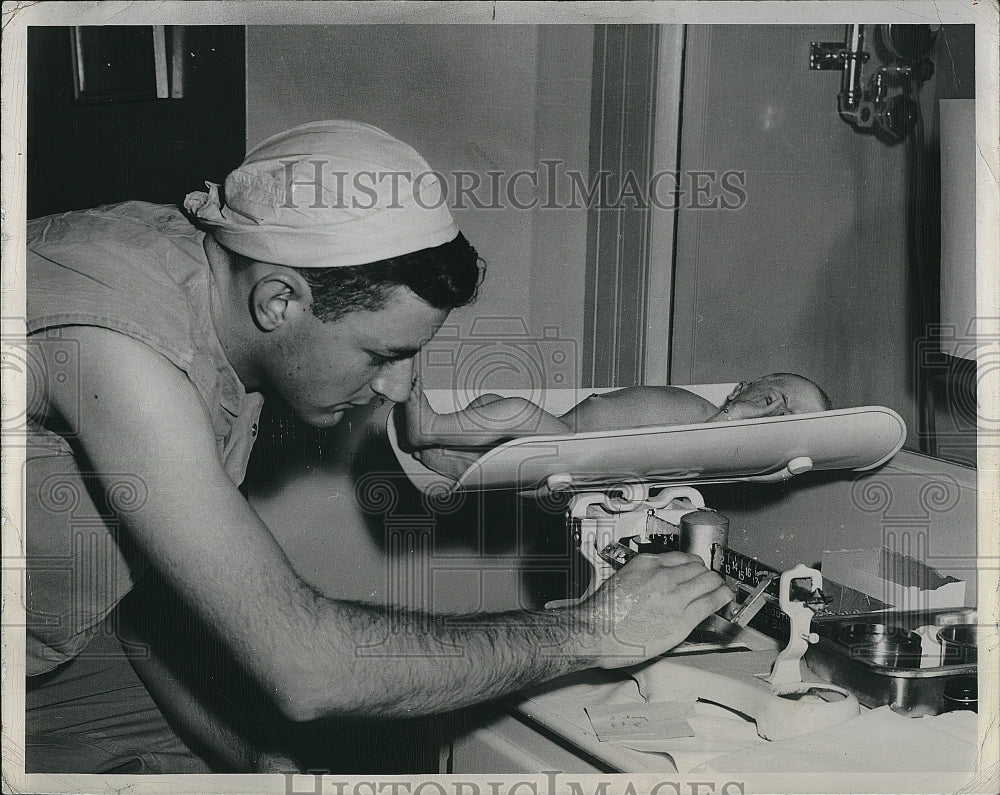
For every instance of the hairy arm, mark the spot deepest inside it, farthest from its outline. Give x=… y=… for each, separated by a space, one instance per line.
x=314 y=655
x=203 y=694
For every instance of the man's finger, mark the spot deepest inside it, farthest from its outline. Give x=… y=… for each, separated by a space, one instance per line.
x=701 y=584
x=712 y=601
x=679 y=566
x=686 y=572
x=673 y=558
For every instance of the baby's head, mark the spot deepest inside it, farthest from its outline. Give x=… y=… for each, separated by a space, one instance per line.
x=798 y=394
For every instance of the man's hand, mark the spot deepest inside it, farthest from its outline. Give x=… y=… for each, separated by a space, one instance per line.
x=648 y=607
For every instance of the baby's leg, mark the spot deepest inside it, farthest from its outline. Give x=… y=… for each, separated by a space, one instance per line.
x=422 y=422
x=487 y=419
x=483 y=400
x=451 y=463
x=426 y=428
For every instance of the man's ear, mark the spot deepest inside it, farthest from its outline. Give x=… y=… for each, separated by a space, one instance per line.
x=273 y=299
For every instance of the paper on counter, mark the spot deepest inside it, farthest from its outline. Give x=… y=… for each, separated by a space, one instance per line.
x=658 y=720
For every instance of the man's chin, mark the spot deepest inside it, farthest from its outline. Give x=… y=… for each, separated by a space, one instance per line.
x=323 y=419
x=329 y=417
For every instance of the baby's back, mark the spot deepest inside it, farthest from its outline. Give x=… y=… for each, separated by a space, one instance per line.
x=639 y=406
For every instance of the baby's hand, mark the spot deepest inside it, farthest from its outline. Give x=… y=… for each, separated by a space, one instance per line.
x=770 y=406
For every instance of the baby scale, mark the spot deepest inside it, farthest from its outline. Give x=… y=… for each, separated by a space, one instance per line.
x=629 y=490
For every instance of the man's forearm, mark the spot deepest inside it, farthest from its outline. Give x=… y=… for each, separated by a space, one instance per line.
x=402 y=663
x=356 y=659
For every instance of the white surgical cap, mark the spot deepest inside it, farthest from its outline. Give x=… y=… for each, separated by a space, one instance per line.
x=327 y=194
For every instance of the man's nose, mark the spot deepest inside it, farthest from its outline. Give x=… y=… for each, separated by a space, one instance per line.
x=394 y=380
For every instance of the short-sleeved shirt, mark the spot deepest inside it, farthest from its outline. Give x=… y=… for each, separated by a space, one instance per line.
x=138 y=269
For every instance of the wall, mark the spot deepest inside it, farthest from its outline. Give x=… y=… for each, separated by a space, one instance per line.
x=831 y=266
x=813 y=274
x=914 y=504
x=810 y=274
x=469 y=98
x=951 y=382
x=82 y=154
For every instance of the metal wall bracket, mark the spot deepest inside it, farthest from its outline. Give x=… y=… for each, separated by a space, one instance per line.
x=830 y=55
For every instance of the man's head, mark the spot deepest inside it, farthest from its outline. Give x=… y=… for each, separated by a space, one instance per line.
x=795 y=393
x=336 y=260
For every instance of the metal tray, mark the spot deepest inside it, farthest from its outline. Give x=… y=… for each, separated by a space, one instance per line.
x=914 y=692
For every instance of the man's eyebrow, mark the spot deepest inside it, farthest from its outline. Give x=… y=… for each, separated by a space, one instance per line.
x=392 y=352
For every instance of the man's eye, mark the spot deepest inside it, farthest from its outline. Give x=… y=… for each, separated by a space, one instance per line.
x=384 y=359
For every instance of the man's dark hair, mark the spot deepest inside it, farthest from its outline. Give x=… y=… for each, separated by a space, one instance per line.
x=445 y=276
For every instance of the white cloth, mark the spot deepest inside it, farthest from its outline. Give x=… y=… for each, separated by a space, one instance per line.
x=877 y=751
x=931 y=754
x=327 y=194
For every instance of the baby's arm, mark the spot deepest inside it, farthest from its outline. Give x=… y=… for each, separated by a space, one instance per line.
x=733 y=410
x=486 y=421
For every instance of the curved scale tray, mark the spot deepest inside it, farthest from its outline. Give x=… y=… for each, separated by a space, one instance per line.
x=759 y=450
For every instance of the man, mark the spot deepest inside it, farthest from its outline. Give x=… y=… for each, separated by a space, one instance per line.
x=313 y=277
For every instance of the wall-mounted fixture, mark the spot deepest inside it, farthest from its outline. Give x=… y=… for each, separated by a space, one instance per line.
x=121 y=63
x=884 y=103
x=957 y=122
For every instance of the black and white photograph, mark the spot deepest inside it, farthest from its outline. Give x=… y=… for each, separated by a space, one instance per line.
x=501 y=398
